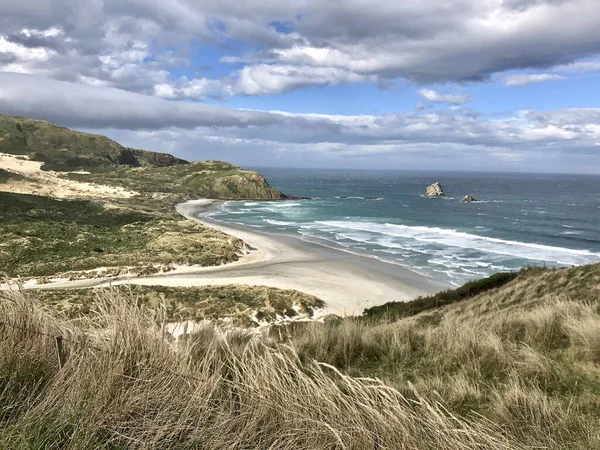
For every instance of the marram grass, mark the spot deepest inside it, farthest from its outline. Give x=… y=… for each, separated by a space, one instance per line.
x=126 y=385
x=516 y=367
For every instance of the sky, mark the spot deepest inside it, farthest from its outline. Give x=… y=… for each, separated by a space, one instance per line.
x=487 y=85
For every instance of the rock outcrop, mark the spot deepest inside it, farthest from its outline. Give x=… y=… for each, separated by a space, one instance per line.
x=434 y=190
x=468 y=199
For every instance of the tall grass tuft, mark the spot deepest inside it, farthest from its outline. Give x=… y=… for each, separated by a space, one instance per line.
x=128 y=385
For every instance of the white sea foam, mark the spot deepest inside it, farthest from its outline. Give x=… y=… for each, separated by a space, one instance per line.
x=454 y=238
x=278 y=222
x=285 y=204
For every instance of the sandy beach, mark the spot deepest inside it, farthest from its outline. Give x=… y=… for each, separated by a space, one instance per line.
x=347 y=283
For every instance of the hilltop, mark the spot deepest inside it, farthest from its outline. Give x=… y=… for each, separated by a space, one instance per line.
x=37 y=153
x=62 y=149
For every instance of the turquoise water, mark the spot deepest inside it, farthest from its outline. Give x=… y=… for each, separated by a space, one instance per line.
x=522 y=220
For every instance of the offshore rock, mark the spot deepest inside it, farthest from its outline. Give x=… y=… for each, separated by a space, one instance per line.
x=434 y=190
x=468 y=199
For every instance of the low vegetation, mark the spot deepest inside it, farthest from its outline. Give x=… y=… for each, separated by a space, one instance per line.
x=6 y=176
x=207 y=179
x=243 y=306
x=62 y=149
x=514 y=367
x=40 y=236
x=396 y=310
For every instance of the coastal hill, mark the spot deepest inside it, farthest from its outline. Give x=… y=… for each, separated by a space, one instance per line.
x=510 y=362
x=50 y=154
x=81 y=205
x=62 y=149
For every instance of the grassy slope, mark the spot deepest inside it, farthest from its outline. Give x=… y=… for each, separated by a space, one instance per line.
x=513 y=367
x=126 y=386
x=208 y=179
x=240 y=304
x=40 y=236
x=396 y=310
x=525 y=355
x=62 y=149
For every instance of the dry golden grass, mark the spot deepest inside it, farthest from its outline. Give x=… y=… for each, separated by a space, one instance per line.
x=526 y=355
x=125 y=385
x=496 y=371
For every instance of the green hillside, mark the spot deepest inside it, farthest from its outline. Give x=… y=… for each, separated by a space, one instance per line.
x=62 y=149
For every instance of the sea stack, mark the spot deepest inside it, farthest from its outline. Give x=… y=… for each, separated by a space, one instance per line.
x=468 y=199
x=434 y=190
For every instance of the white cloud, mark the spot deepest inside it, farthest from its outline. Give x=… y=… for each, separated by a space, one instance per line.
x=581 y=66
x=524 y=79
x=274 y=79
x=130 y=45
x=436 y=97
x=72 y=104
x=25 y=59
x=198 y=89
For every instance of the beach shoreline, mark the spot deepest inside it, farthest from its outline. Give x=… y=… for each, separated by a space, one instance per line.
x=347 y=283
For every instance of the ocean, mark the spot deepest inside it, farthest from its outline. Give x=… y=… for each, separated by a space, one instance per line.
x=521 y=220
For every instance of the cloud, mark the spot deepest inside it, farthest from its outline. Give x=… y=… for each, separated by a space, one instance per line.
x=581 y=66
x=80 y=105
x=197 y=88
x=436 y=97
x=275 y=79
x=130 y=45
x=524 y=79
x=568 y=132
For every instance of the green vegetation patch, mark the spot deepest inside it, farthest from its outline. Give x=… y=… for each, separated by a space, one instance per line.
x=208 y=179
x=40 y=236
x=6 y=176
x=237 y=302
x=396 y=310
x=62 y=149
